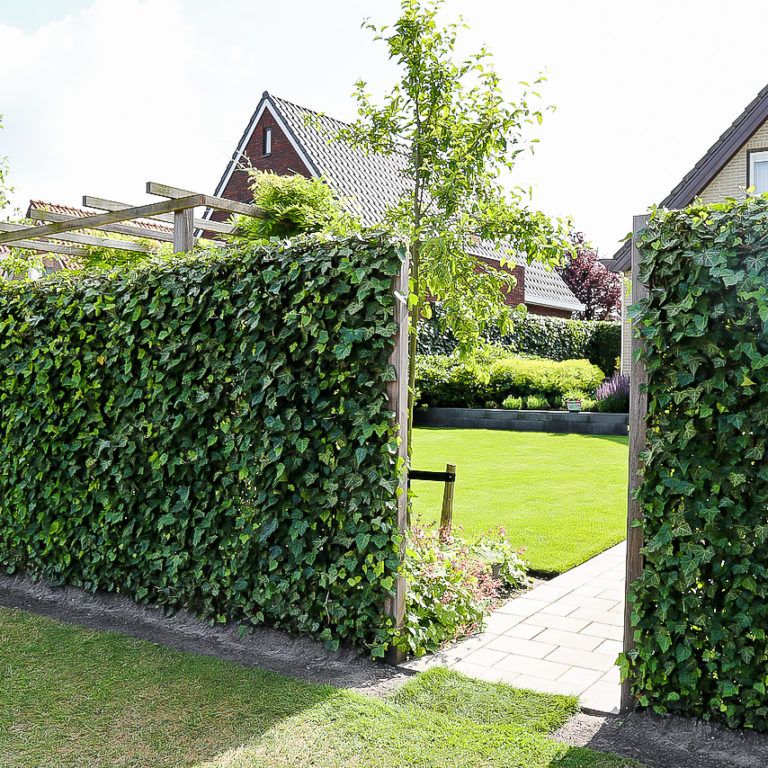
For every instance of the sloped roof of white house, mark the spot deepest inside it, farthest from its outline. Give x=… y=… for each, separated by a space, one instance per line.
x=369 y=183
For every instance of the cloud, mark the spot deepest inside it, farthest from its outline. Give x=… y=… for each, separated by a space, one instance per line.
x=105 y=99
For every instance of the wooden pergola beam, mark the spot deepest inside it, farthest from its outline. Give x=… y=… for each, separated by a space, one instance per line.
x=41 y=214
x=43 y=246
x=217 y=203
x=111 y=217
x=113 y=205
x=102 y=242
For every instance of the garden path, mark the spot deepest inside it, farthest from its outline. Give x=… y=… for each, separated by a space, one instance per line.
x=561 y=637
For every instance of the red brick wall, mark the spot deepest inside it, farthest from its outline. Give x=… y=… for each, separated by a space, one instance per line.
x=283 y=160
x=517 y=294
x=535 y=309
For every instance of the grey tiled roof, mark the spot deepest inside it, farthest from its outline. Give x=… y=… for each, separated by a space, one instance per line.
x=370 y=183
x=543 y=286
x=695 y=181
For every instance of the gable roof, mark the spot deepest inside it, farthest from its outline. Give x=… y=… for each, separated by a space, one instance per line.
x=369 y=183
x=714 y=160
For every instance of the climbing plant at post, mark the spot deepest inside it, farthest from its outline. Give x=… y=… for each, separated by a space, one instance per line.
x=699 y=609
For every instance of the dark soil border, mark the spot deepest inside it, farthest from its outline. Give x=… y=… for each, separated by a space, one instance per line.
x=261 y=647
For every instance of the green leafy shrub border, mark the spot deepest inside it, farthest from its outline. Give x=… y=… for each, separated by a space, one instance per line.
x=497 y=379
x=209 y=431
x=701 y=604
x=553 y=338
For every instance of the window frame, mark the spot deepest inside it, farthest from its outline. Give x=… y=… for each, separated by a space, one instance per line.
x=266 y=141
x=759 y=155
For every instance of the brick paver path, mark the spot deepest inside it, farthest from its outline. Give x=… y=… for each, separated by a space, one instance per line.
x=561 y=637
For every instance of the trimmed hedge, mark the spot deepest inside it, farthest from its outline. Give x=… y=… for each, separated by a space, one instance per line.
x=447 y=381
x=209 y=432
x=701 y=605
x=553 y=338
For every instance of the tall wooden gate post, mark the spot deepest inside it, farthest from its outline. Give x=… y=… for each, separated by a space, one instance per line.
x=638 y=411
x=397 y=392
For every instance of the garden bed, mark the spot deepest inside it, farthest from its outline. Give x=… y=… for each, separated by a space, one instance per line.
x=561 y=422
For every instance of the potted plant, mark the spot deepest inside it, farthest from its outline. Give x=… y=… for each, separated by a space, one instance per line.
x=572 y=401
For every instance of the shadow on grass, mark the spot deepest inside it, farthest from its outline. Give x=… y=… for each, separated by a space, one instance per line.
x=75 y=697
x=71 y=697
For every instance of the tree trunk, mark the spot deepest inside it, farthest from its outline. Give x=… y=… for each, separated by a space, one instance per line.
x=413 y=340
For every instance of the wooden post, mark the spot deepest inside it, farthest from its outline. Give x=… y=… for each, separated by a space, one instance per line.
x=638 y=411
x=183 y=231
x=446 y=514
x=397 y=392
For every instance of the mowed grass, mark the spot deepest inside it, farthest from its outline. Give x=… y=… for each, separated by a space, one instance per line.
x=562 y=498
x=71 y=698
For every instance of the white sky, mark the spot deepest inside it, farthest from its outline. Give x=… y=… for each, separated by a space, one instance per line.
x=99 y=96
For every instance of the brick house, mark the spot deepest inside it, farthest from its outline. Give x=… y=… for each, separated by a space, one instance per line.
x=737 y=160
x=285 y=138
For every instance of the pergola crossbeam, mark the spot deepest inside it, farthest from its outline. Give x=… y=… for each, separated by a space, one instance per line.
x=124 y=219
x=137 y=230
x=43 y=246
x=102 y=242
x=217 y=203
x=113 y=205
x=111 y=217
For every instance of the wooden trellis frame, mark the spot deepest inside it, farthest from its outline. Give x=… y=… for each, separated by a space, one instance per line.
x=177 y=208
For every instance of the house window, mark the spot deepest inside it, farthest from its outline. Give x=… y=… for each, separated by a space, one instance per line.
x=266 y=142
x=758 y=171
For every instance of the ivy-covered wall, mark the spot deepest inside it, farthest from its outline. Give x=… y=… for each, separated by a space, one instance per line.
x=551 y=337
x=211 y=431
x=701 y=605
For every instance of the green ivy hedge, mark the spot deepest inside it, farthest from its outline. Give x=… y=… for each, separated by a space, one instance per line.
x=701 y=605
x=553 y=338
x=209 y=432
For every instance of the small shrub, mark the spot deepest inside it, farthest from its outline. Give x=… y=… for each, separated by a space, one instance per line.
x=613 y=395
x=452 y=586
x=536 y=403
x=513 y=403
x=505 y=562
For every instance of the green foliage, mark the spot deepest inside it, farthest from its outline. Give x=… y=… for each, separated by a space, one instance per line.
x=209 y=431
x=513 y=403
x=294 y=205
x=450 y=381
x=536 y=403
x=452 y=586
x=701 y=604
x=544 y=378
x=551 y=337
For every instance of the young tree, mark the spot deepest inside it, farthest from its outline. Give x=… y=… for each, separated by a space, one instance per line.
x=593 y=284
x=458 y=135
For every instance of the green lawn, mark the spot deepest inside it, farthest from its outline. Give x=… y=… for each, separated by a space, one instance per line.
x=562 y=498
x=71 y=698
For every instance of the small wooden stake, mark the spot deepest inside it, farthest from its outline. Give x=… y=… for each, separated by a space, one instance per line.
x=638 y=411
x=446 y=515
